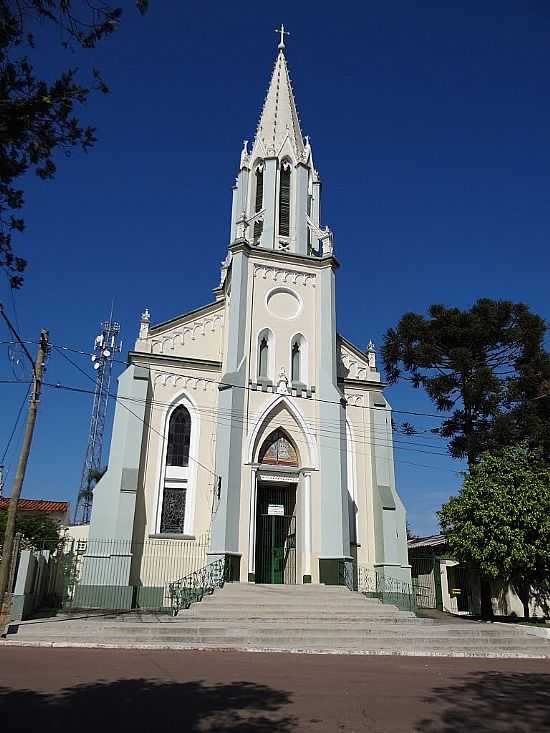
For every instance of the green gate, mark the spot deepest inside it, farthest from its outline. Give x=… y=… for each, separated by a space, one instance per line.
x=276 y=535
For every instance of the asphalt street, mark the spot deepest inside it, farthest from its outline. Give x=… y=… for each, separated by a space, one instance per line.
x=95 y=690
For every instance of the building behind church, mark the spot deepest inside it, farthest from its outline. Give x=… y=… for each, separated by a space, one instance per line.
x=250 y=421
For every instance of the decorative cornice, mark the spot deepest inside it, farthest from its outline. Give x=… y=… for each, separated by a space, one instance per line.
x=277 y=255
x=366 y=385
x=140 y=358
x=181 y=319
x=289 y=277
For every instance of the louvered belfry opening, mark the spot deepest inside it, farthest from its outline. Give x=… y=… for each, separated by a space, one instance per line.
x=284 y=201
x=258 y=202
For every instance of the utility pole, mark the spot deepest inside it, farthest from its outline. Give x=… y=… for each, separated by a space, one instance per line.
x=8 y=545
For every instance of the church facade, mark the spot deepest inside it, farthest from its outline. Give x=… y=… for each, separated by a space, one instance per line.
x=250 y=418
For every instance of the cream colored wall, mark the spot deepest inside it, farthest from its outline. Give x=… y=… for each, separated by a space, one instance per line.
x=298 y=283
x=358 y=418
x=200 y=337
x=167 y=391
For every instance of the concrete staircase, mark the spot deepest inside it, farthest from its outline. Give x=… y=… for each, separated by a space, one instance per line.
x=305 y=618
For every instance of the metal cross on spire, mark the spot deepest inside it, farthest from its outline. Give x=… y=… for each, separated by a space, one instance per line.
x=283 y=33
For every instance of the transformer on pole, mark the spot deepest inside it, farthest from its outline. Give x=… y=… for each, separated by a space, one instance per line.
x=106 y=345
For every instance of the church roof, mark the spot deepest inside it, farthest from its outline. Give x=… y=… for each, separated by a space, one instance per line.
x=279 y=116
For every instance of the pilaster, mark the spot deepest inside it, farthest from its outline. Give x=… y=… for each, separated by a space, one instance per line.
x=229 y=439
x=301 y=176
x=335 y=540
x=106 y=564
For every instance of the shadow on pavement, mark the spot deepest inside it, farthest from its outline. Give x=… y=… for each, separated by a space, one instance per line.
x=490 y=702
x=145 y=705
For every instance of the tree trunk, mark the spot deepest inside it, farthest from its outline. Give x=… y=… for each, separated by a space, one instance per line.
x=486 y=604
x=524 y=594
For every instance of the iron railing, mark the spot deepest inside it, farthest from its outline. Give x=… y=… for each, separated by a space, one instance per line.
x=348 y=575
x=388 y=589
x=193 y=587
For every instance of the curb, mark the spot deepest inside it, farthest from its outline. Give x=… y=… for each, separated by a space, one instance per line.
x=269 y=650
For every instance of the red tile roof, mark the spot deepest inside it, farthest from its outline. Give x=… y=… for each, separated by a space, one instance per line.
x=36 y=505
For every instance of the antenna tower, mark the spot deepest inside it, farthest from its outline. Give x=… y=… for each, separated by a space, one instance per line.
x=106 y=345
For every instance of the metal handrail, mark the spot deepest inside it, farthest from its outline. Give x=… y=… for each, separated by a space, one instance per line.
x=193 y=587
x=387 y=588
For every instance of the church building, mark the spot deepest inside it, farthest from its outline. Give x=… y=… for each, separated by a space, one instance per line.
x=250 y=419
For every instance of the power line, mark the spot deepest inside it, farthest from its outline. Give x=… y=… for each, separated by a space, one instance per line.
x=226 y=420
x=248 y=388
x=6 y=449
x=118 y=401
x=232 y=415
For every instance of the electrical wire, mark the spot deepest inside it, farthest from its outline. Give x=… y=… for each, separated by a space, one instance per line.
x=248 y=388
x=239 y=417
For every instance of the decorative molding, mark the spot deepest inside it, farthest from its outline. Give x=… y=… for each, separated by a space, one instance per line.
x=355 y=400
x=187 y=332
x=169 y=379
x=355 y=369
x=278 y=477
x=282 y=275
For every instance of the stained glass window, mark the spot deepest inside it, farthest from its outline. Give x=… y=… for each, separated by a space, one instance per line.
x=278 y=450
x=179 y=435
x=173 y=510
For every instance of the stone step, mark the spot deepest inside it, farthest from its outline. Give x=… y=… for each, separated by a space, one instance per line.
x=329 y=639
x=384 y=650
x=270 y=612
x=333 y=602
x=328 y=642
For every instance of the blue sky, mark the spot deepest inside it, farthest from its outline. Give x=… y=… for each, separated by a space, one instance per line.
x=429 y=127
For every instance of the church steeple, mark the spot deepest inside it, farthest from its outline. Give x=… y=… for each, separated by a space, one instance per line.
x=276 y=199
x=279 y=118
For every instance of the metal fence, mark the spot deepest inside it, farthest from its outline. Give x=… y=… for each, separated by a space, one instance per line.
x=391 y=590
x=119 y=574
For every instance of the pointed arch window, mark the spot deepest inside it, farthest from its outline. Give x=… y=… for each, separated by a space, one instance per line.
x=258 y=201
x=263 y=358
x=284 y=200
x=179 y=437
x=298 y=360
x=278 y=450
x=176 y=479
x=295 y=362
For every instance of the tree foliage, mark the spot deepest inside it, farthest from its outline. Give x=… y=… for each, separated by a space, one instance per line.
x=39 y=118
x=37 y=530
x=485 y=365
x=500 y=520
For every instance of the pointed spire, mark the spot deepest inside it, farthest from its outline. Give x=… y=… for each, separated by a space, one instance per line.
x=279 y=116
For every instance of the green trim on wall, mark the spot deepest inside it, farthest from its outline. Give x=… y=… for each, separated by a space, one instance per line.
x=103 y=596
x=306 y=579
x=331 y=570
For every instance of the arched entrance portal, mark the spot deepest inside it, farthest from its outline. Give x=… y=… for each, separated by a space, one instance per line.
x=275 y=551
